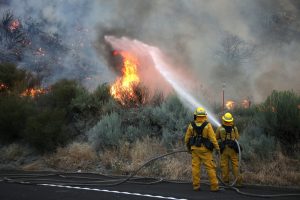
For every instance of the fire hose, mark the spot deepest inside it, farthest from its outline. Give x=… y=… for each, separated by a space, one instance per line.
x=36 y=179
x=231 y=186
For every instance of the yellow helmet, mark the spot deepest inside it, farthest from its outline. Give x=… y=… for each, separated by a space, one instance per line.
x=200 y=112
x=227 y=117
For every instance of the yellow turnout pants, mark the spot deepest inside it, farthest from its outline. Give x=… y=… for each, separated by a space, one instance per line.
x=230 y=155
x=199 y=156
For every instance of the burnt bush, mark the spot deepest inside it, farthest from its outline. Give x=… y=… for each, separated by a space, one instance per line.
x=12 y=38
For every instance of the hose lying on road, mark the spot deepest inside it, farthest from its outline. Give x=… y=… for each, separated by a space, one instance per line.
x=231 y=186
x=61 y=179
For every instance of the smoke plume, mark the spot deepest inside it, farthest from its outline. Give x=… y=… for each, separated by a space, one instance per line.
x=251 y=46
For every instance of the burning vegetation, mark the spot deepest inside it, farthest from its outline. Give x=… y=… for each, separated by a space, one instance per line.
x=3 y=87
x=126 y=89
x=33 y=92
x=25 y=41
x=230 y=104
x=245 y=104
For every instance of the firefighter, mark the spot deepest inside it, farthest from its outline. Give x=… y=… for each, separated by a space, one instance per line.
x=226 y=134
x=200 y=140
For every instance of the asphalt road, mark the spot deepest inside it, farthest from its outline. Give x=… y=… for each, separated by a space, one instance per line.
x=44 y=189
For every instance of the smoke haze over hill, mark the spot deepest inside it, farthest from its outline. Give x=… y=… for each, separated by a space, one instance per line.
x=252 y=46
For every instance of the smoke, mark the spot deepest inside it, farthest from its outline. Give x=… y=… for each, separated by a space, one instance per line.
x=262 y=40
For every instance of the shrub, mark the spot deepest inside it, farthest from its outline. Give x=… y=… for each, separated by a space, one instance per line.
x=16 y=80
x=91 y=104
x=14 y=112
x=102 y=94
x=167 y=121
x=61 y=94
x=173 y=117
x=132 y=133
x=136 y=122
x=282 y=117
x=47 y=130
x=107 y=132
x=243 y=116
x=255 y=144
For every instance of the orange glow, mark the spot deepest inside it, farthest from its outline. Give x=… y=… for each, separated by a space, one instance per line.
x=123 y=88
x=230 y=104
x=33 y=92
x=14 y=25
x=246 y=103
x=3 y=86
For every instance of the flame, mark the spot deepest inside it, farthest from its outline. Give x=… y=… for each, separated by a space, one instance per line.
x=14 y=25
x=32 y=92
x=230 y=104
x=123 y=88
x=3 y=86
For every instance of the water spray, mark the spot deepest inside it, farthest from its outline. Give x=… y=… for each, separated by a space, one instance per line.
x=186 y=97
x=164 y=69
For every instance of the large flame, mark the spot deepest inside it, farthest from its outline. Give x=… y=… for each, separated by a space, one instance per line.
x=123 y=88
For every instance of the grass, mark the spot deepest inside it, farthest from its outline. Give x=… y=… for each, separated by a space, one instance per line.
x=13 y=152
x=76 y=156
x=125 y=159
x=129 y=157
x=278 y=171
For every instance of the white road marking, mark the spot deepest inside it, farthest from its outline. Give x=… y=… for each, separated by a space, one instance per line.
x=111 y=191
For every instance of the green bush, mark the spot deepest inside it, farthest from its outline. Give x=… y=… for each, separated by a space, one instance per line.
x=243 y=116
x=255 y=143
x=107 y=132
x=47 y=130
x=87 y=108
x=282 y=119
x=102 y=94
x=14 y=112
x=61 y=94
x=167 y=121
x=132 y=133
x=10 y=75
x=17 y=80
x=173 y=117
x=86 y=103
